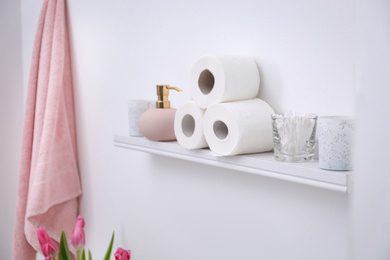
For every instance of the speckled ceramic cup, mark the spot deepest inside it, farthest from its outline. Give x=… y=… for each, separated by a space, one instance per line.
x=335 y=142
x=135 y=109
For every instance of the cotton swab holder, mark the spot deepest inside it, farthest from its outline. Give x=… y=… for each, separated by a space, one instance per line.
x=294 y=136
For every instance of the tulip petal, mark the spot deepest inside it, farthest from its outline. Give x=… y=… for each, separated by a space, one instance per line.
x=48 y=247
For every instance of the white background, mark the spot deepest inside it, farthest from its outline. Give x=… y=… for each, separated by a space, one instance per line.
x=310 y=56
x=11 y=117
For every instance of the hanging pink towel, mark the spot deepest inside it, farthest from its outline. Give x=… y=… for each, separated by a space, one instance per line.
x=49 y=183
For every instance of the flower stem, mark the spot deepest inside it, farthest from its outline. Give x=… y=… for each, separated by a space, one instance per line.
x=78 y=254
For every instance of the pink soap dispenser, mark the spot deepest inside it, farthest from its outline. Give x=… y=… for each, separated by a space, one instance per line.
x=158 y=124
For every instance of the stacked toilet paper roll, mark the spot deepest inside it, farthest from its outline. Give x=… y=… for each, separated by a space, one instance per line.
x=216 y=79
x=239 y=127
x=189 y=126
x=225 y=114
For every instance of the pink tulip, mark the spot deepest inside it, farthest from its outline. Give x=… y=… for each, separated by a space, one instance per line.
x=49 y=249
x=48 y=258
x=121 y=254
x=78 y=236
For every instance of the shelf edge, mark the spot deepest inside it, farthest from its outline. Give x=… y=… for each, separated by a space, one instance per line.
x=276 y=175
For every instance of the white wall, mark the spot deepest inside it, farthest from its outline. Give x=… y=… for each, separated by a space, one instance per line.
x=11 y=117
x=371 y=200
x=168 y=209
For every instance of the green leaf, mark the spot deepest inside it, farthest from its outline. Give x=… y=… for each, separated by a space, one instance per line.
x=89 y=255
x=64 y=250
x=107 y=256
x=83 y=255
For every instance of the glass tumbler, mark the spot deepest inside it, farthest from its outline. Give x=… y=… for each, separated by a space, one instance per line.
x=294 y=137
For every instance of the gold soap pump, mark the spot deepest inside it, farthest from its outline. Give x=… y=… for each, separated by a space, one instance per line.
x=162 y=95
x=158 y=124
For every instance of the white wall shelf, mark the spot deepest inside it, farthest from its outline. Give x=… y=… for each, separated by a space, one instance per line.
x=260 y=163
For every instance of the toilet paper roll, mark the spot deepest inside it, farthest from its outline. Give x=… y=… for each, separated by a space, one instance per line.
x=239 y=127
x=189 y=126
x=216 y=79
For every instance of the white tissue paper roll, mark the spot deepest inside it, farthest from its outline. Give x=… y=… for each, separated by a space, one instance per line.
x=239 y=127
x=189 y=126
x=216 y=79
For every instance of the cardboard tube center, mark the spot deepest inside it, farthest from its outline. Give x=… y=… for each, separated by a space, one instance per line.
x=221 y=130
x=188 y=125
x=206 y=82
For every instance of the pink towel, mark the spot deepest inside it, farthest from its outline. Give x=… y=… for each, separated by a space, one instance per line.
x=49 y=183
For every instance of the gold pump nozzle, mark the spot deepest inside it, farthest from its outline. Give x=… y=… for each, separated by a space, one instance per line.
x=162 y=95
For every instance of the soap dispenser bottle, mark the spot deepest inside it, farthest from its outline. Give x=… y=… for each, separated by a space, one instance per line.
x=158 y=124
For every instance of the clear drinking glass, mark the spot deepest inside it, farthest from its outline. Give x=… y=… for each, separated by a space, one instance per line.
x=294 y=136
